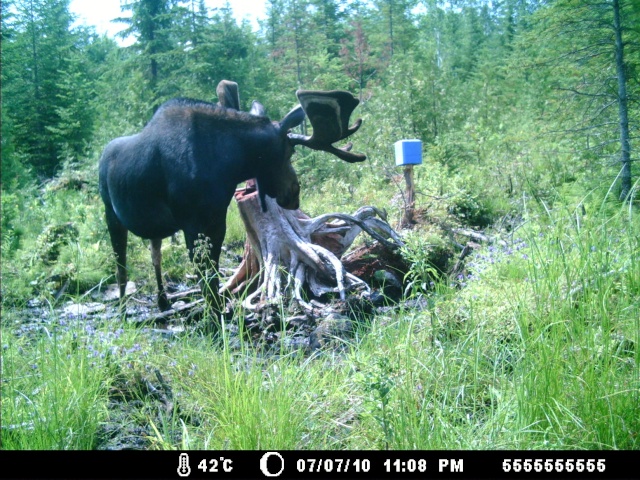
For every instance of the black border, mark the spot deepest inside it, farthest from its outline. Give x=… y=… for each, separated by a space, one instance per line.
x=247 y=464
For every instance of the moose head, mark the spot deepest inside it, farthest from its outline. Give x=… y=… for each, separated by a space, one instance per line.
x=329 y=113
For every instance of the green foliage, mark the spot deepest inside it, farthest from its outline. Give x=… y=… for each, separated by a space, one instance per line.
x=534 y=346
x=56 y=238
x=44 y=86
x=11 y=232
x=541 y=337
x=423 y=251
x=590 y=71
x=236 y=232
x=379 y=382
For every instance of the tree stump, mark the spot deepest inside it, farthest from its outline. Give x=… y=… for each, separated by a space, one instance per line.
x=287 y=251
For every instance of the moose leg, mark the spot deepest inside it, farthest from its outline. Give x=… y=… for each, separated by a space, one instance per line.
x=118 y=235
x=212 y=262
x=156 y=259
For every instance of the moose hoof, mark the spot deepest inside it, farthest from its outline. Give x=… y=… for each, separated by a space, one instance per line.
x=163 y=302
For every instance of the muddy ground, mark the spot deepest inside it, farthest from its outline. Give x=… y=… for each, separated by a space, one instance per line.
x=137 y=400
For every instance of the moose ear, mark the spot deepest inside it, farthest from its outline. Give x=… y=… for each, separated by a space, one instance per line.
x=257 y=109
x=292 y=119
x=228 y=95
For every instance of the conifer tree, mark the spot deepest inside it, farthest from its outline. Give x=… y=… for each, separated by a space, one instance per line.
x=150 y=23
x=44 y=87
x=593 y=37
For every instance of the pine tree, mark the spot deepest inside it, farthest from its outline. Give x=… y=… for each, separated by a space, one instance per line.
x=395 y=26
x=591 y=48
x=150 y=24
x=44 y=86
x=356 y=56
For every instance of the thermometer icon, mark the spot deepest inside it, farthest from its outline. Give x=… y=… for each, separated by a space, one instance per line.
x=184 y=470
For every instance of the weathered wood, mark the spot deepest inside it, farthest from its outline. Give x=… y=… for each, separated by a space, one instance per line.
x=478 y=236
x=192 y=308
x=410 y=198
x=466 y=251
x=172 y=297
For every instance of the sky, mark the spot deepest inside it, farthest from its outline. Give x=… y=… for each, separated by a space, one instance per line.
x=100 y=13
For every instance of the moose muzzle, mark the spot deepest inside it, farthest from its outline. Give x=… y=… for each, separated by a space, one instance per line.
x=290 y=199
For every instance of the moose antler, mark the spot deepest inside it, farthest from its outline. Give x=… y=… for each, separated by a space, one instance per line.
x=329 y=114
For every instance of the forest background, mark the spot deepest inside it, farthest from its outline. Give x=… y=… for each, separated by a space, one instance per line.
x=528 y=113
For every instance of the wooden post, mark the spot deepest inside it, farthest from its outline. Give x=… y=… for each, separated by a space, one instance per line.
x=410 y=197
x=408 y=153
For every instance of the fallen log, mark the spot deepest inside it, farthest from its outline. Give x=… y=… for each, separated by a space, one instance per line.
x=188 y=310
x=478 y=236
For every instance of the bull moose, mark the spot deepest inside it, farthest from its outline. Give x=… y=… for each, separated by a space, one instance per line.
x=180 y=172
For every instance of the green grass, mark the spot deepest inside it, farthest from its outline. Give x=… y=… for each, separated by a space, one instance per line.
x=53 y=391
x=246 y=402
x=580 y=386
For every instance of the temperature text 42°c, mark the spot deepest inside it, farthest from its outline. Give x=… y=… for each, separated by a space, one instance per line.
x=216 y=465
